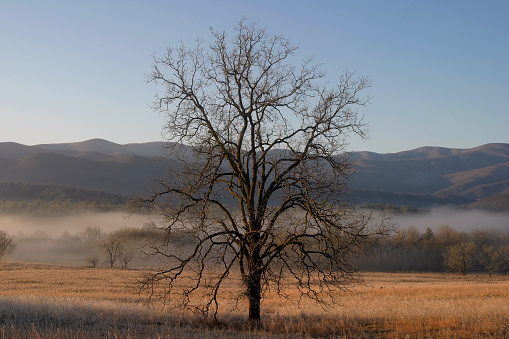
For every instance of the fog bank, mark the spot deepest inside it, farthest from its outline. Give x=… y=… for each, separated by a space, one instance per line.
x=55 y=240
x=463 y=221
x=56 y=226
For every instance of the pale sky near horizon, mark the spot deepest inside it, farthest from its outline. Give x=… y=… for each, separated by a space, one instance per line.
x=75 y=70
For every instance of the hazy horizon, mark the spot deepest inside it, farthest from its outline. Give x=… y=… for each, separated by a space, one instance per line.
x=163 y=141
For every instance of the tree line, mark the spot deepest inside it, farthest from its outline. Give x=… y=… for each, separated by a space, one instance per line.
x=390 y=208
x=48 y=199
x=444 y=249
x=97 y=248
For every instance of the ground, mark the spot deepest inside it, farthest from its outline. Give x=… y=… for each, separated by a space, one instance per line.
x=69 y=302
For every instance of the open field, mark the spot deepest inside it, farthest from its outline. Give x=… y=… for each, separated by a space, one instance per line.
x=48 y=301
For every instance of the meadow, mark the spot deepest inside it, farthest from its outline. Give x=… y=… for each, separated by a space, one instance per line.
x=54 y=301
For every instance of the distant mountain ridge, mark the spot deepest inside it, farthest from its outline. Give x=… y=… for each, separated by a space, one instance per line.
x=94 y=164
x=148 y=149
x=472 y=173
x=426 y=174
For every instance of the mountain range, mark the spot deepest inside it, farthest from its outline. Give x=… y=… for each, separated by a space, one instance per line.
x=420 y=177
x=471 y=173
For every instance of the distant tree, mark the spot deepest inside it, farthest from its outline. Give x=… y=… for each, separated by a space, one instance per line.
x=460 y=257
x=91 y=239
x=405 y=242
x=72 y=241
x=92 y=235
x=405 y=209
x=428 y=235
x=489 y=258
x=7 y=244
x=479 y=238
x=112 y=247
x=503 y=253
x=126 y=254
x=41 y=236
x=446 y=235
x=131 y=239
x=94 y=261
x=262 y=188
x=428 y=245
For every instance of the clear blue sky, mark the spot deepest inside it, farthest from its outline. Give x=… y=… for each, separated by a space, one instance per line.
x=75 y=70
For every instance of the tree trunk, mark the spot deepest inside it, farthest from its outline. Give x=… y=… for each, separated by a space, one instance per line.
x=254 y=293
x=254 y=282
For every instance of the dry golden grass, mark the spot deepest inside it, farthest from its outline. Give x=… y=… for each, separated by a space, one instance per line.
x=68 y=281
x=416 y=305
x=72 y=302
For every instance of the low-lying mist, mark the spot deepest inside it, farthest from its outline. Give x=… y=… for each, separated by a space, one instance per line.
x=460 y=220
x=54 y=239
x=56 y=226
x=59 y=240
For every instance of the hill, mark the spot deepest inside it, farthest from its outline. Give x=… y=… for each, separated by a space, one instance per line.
x=148 y=149
x=421 y=177
x=496 y=203
x=471 y=173
x=86 y=168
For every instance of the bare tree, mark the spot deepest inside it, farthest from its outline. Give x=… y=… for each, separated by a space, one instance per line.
x=131 y=239
x=92 y=261
x=262 y=187
x=91 y=239
x=7 y=244
x=112 y=248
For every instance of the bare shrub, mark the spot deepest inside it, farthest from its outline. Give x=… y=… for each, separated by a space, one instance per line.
x=7 y=244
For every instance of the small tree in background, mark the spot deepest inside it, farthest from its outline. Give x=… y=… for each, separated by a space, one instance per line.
x=131 y=239
x=91 y=239
x=503 y=253
x=112 y=247
x=428 y=244
x=489 y=258
x=460 y=257
x=7 y=244
x=92 y=260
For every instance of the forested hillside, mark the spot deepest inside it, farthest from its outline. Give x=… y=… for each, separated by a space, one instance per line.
x=47 y=199
x=496 y=203
x=420 y=178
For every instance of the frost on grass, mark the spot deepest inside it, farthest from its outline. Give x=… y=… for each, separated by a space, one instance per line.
x=56 y=317
x=75 y=312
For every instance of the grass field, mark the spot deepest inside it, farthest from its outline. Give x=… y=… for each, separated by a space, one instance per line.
x=47 y=301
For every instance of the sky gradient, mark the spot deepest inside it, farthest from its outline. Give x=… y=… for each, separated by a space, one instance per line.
x=75 y=70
